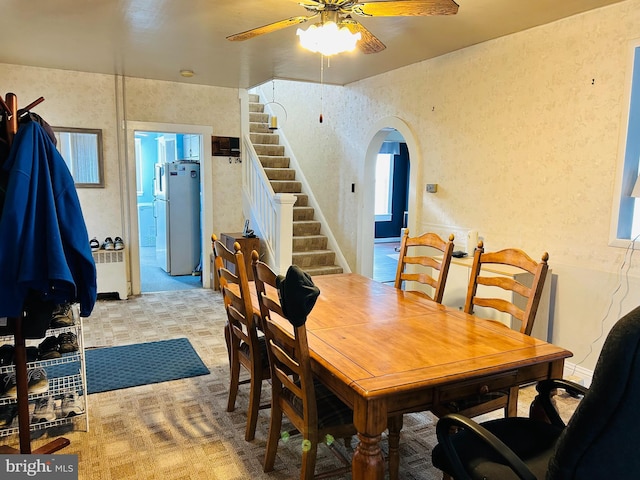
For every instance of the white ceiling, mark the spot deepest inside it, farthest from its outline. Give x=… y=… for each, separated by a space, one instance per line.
x=157 y=38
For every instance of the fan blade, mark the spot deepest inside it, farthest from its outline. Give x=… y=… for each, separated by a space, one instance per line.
x=369 y=43
x=271 y=27
x=406 y=8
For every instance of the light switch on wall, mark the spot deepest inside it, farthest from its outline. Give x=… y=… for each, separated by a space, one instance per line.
x=432 y=187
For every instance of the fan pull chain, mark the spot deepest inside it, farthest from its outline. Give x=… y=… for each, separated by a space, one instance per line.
x=321 y=83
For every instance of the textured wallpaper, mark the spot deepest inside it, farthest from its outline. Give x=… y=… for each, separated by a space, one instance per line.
x=170 y=102
x=522 y=136
x=79 y=100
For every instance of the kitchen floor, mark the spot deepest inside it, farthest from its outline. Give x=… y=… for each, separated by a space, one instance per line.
x=155 y=279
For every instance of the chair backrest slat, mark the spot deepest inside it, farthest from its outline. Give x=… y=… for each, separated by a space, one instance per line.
x=501 y=305
x=505 y=283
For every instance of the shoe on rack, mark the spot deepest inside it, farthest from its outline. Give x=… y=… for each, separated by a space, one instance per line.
x=8 y=385
x=67 y=342
x=37 y=380
x=94 y=244
x=118 y=244
x=72 y=404
x=48 y=349
x=62 y=316
x=32 y=354
x=6 y=355
x=7 y=414
x=108 y=244
x=44 y=410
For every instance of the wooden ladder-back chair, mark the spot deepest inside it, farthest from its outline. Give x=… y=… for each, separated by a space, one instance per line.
x=314 y=411
x=246 y=347
x=216 y=280
x=416 y=245
x=515 y=258
x=482 y=274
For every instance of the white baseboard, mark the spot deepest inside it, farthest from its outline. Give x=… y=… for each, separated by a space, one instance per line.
x=578 y=374
x=387 y=240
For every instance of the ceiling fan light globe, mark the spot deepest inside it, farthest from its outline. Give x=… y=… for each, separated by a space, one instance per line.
x=327 y=38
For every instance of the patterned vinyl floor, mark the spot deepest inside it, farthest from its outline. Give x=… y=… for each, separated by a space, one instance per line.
x=180 y=430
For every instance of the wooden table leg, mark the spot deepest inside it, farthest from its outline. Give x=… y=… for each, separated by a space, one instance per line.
x=556 y=369
x=395 y=426
x=368 y=463
x=370 y=420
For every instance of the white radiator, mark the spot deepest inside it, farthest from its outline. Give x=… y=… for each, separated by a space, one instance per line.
x=111 y=272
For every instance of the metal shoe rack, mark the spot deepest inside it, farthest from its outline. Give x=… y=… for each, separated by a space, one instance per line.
x=71 y=378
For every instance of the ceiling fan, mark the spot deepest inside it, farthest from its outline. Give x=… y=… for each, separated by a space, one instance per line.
x=340 y=12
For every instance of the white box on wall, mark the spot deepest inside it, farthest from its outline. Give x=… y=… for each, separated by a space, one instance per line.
x=111 y=272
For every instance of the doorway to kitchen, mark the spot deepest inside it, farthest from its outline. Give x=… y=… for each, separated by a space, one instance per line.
x=168 y=207
x=137 y=176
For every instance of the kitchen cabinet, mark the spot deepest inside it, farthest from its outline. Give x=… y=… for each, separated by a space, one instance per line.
x=191 y=147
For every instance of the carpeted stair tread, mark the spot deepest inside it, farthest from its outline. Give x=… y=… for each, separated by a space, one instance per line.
x=313 y=258
x=286 y=186
x=309 y=243
x=323 y=270
x=309 y=246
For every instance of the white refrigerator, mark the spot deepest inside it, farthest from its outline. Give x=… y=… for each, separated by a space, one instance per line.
x=177 y=212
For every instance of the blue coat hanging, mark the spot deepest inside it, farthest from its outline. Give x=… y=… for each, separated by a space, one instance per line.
x=44 y=245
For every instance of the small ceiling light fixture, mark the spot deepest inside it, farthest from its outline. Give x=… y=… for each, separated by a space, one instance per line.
x=187 y=73
x=327 y=37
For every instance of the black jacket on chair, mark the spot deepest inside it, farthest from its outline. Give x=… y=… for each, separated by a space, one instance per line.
x=599 y=442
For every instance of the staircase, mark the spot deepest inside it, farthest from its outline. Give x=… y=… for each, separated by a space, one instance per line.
x=310 y=251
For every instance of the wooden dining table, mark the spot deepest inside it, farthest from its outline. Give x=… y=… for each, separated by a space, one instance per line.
x=386 y=352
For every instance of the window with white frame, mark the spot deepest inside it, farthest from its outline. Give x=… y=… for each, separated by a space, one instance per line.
x=628 y=218
x=384 y=187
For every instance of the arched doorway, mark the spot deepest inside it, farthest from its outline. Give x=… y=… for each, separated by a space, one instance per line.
x=378 y=135
x=391 y=204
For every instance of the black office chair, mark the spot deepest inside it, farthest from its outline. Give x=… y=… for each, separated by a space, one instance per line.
x=599 y=442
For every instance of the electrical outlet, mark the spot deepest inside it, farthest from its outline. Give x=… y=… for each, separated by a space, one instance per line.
x=432 y=187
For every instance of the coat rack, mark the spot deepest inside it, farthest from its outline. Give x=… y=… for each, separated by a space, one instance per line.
x=9 y=109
